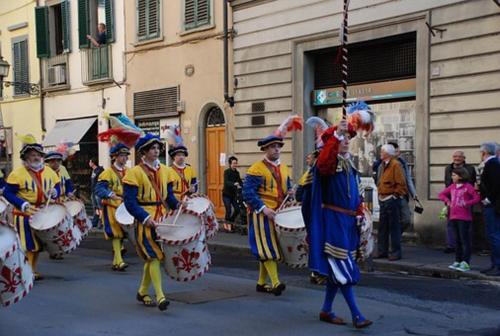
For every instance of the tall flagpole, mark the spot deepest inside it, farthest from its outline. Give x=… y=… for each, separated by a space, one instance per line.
x=344 y=61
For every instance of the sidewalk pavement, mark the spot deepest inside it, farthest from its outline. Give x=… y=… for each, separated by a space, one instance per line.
x=417 y=260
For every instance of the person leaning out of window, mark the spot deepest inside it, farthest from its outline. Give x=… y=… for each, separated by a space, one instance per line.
x=232 y=183
x=101 y=37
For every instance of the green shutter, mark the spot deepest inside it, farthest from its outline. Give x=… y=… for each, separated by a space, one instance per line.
x=21 y=70
x=196 y=13
x=153 y=18
x=110 y=23
x=83 y=23
x=142 y=31
x=66 y=25
x=42 y=31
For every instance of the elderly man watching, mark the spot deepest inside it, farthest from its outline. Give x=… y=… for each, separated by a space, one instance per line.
x=391 y=188
x=458 y=162
x=490 y=195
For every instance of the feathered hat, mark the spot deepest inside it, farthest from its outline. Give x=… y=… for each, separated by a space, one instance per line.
x=29 y=143
x=63 y=151
x=147 y=140
x=122 y=131
x=292 y=123
x=360 y=118
x=174 y=139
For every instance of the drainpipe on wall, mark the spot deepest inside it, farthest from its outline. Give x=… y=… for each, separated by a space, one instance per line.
x=40 y=71
x=227 y=98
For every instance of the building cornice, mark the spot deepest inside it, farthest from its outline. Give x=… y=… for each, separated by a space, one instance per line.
x=241 y=4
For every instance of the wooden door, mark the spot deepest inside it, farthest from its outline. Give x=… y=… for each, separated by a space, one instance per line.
x=216 y=144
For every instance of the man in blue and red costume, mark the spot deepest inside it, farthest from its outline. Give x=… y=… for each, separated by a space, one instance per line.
x=265 y=188
x=148 y=195
x=335 y=207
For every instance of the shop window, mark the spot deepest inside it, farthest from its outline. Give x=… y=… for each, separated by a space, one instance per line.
x=196 y=13
x=148 y=19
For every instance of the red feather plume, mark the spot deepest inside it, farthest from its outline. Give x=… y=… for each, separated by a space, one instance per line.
x=125 y=136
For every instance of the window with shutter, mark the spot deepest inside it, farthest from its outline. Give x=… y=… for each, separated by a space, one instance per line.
x=21 y=69
x=110 y=20
x=196 y=13
x=83 y=23
x=148 y=19
x=161 y=102
x=66 y=26
x=42 y=32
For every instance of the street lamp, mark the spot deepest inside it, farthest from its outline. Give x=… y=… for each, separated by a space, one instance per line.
x=29 y=88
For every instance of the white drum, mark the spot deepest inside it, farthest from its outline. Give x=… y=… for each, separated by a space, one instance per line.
x=55 y=228
x=291 y=233
x=16 y=275
x=186 y=253
x=80 y=219
x=127 y=222
x=203 y=207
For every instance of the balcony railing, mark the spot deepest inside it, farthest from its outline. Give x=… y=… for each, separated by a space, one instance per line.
x=97 y=65
x=55 y=72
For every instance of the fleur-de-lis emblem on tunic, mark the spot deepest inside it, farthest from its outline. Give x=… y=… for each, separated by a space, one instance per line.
x=8 y=279
x=186 y=261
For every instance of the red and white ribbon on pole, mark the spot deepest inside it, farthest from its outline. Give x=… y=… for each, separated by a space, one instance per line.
x=344 y=58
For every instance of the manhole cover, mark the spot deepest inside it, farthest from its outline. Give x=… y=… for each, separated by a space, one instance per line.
x=203 y=296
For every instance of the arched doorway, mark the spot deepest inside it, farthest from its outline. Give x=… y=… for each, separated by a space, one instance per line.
x=215 y=149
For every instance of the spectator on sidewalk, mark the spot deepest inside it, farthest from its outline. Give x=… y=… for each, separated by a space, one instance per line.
x=391 y=188
x=490 y=195
x=459 y=197
x=405 y=212
x=232 y=183
x=458 y=162
x=96 y=204
x=101 y=37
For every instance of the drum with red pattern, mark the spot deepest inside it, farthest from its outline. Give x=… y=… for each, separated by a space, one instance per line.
x=203 y=207
x=291 y=233
x=16 y=275
x=80 y=219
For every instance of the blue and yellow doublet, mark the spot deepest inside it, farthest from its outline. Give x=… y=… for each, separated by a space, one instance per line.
x=110 y=182
x=142 y=201
x=183 y=178
x=66 y=183
x=22 y=188
x=265 y=185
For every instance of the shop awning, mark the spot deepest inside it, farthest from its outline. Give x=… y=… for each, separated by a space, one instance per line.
x=68 y=131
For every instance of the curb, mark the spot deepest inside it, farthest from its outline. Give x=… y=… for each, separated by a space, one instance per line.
x=370 y=265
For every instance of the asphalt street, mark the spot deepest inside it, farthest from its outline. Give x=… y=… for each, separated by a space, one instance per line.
x=81 y=296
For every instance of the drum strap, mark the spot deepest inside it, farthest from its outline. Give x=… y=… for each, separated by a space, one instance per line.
x=276 y=174
x=118 y=173
x=154 y=185
x=180 y=172
x=41 y=197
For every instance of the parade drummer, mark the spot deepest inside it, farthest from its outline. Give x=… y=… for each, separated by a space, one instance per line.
x=335 y=207
x=185 y=181
x=266 y=185
x=109 y=189
x=54 y=160
x=148 y=193
x=28 y=188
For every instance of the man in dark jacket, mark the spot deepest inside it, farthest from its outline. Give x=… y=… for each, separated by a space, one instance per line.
x=458 y=162
x=232 y=182
x=490 y=195
x=96 y=204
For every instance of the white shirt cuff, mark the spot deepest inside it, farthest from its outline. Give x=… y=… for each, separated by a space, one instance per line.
x=24 y=206
x=261 y=209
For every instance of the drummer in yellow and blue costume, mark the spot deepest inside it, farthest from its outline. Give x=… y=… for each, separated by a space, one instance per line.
x=27 y=189
x=147 y=207
x=109 y=189
x=265 y=187
x=54 y=160
x=185 y=181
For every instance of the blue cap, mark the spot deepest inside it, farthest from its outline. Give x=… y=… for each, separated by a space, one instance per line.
x=52 y=155
x=28 y=147
x=119 y=149
x=147 y=140
x=178 y=149
x=269 y=140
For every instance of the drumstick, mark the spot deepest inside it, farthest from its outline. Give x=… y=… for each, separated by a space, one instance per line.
x=169 y=225
x=48 y=197
x=179 y=211
x=286 y=198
